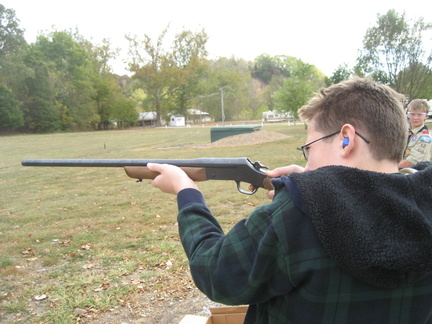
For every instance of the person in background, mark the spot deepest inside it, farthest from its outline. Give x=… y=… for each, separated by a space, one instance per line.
x=419 y=141
x=346 y=239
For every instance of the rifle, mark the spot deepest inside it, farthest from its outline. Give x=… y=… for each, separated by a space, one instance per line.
x=202 y=169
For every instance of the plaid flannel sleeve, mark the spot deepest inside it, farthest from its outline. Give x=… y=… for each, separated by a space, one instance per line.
x=239 y=267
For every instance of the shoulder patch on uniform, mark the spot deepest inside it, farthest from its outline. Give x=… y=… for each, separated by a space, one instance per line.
x=425 y=138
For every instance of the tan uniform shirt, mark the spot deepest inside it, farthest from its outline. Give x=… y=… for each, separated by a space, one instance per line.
x=419 y=145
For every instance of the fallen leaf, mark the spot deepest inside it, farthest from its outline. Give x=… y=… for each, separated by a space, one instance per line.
x=86 y=247
x=105 y=286
x=29 y=251
x=40 y=297
x=80 y=311
x=88 y=266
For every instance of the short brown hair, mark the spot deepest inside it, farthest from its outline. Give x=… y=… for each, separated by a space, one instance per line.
x=418 y=105
x=375 y=110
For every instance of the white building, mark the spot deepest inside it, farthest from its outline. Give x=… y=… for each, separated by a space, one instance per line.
x=147 y=117
x=198 y=116
x=177 y=120
x=273 y=116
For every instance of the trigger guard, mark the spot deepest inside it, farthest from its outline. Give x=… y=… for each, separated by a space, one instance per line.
x=244 y=191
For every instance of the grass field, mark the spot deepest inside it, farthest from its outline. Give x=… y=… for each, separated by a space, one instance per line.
x=79 y=242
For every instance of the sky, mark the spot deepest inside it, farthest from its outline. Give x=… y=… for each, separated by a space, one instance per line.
x=323 y=33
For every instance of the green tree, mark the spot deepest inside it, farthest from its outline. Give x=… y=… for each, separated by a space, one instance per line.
x=72 y=75
x=40 y=111
x=123 y=111
x=189 y=53
x=426 y=92
x=393 y=53
x=11 y=116
x=167 y=77
x=153 y=70
x=101 y=55
x=112 y=105
x=298 y=89
x=11 y=36
x=110 y=90
x=225 y=89
x=278 y=69
x=342 y=73
x=12 y=45
x=266 y=67
x=65 y=88
x=256 y=101
x=104 y=88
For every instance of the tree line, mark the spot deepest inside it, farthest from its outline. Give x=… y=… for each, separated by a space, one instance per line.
x=63 y=82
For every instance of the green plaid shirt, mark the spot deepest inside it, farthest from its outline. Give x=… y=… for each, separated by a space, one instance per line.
x=274 y=262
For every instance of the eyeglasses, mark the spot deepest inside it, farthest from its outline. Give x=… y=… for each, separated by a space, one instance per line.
x=414 y=114
x=305 y=148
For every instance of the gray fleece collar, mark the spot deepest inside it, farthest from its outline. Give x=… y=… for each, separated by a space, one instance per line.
x=376 y=226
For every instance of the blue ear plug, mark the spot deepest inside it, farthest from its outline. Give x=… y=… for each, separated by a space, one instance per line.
x=345 y=142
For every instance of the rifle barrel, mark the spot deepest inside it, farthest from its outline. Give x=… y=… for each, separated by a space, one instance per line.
x=201 y=162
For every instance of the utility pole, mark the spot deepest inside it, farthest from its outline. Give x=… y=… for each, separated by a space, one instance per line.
x=222 y=105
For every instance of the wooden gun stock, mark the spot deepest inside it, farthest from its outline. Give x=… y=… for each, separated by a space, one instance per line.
x=141 y=172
